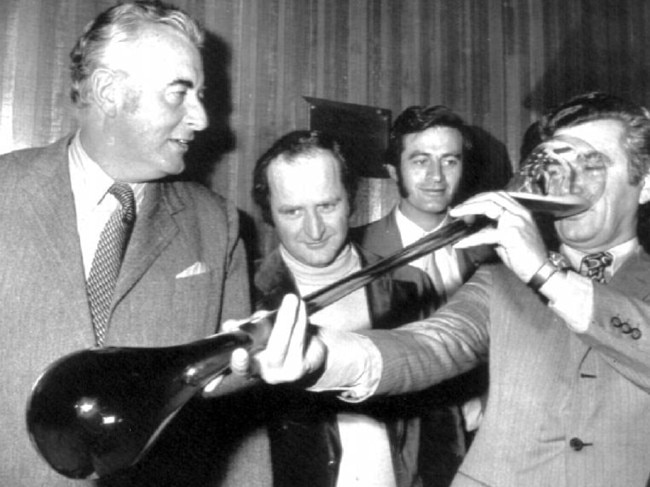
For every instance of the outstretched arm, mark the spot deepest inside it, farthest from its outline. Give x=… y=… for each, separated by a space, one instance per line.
x=292 y=352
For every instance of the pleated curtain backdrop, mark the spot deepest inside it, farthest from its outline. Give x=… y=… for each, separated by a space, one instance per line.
x=496 y=62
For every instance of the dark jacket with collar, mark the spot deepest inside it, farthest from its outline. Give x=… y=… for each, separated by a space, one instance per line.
x=383 y=238
x=305 y=443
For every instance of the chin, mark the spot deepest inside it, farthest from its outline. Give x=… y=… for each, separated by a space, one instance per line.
x=318 y=261
x=576 y=229
x=575 y=237
x=173 y=169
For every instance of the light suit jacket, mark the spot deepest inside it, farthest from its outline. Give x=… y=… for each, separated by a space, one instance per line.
x=564 y=409
x=44 y=310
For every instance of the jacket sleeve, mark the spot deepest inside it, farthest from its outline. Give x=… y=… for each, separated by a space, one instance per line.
x=450 y=342
x=236 y=296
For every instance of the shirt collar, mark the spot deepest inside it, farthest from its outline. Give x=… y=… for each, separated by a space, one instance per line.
x=89 y=182
x=620 y=253
x=411 y=231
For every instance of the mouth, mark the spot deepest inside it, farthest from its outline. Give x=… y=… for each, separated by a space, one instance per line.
x=316 y=245
x=577 y=216
x=433 y=191
x=183 y=144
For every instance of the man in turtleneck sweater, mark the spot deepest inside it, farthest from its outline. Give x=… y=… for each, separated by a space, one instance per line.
x=304 y=188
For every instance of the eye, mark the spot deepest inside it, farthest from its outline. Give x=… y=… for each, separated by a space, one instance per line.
x=450 y=161
x=327 y=207
x=177 y=95
x=596 y=161
x=289 y=212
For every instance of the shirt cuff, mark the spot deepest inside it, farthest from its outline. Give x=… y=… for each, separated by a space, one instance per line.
x=571 y=297
x=353 y=365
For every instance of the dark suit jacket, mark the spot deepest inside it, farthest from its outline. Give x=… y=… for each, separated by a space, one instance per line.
x=564 y=408
x=382 y=237
x=44 y=310
x=305 y=444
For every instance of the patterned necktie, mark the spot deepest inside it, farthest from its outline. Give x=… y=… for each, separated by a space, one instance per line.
x=108 y=259
x=593 y=265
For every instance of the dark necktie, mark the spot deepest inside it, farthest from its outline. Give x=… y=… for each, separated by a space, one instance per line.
x=108 y=259
x=593 y=265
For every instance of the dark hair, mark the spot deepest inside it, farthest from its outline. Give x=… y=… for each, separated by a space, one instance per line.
x=593 y=106
x=291 y=146
x=124 y=21
x=417 y=119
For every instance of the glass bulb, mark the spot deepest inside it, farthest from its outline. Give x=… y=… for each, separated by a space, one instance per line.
x=563 y=175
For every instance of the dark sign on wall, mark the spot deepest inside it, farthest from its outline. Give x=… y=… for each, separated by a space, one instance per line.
x=362 y=130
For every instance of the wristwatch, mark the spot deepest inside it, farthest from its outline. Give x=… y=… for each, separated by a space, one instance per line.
x=543 y=274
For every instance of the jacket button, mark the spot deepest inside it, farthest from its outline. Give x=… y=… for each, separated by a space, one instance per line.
x=626 y=328
x=576 y=443
x=636 y=333
x=616 y=322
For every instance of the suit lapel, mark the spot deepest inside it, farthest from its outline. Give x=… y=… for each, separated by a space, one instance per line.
x=387 y=238
x=51 y=204
x=154 y=229
x=378 y=291
x=632 y=279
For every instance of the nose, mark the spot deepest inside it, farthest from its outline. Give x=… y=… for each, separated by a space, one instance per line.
x=313 y=225
x=434 y=171
x=196 y=116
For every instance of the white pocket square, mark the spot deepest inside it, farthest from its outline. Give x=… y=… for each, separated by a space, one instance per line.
x=193 y=270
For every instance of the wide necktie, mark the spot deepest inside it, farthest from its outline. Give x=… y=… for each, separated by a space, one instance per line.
x=593 y=265
x=108 y=259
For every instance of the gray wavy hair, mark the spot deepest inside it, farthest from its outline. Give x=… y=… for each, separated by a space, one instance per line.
x=122 y=22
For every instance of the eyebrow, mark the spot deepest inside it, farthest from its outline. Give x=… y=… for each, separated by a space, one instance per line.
x=183 y=82
x=445 y=154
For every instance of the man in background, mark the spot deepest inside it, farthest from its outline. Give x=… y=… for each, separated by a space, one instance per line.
x=430 y=152
x=137 y=86
x=304 y=187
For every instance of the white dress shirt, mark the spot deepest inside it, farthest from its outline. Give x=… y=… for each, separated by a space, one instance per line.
x=442 y=265
x=93 y=204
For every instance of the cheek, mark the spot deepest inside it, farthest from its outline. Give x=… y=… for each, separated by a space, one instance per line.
x=411 y=176
x=285 y=230
x=337 y=223
x=453 y=177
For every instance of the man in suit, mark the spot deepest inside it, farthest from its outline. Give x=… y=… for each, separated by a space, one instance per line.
x=304 y=187
x=137 y=82
x=569 y=346
x=430 y=150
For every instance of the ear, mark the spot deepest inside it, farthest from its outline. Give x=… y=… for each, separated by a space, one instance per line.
x=104 y=85
x=392 y=171
x=644 y=197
